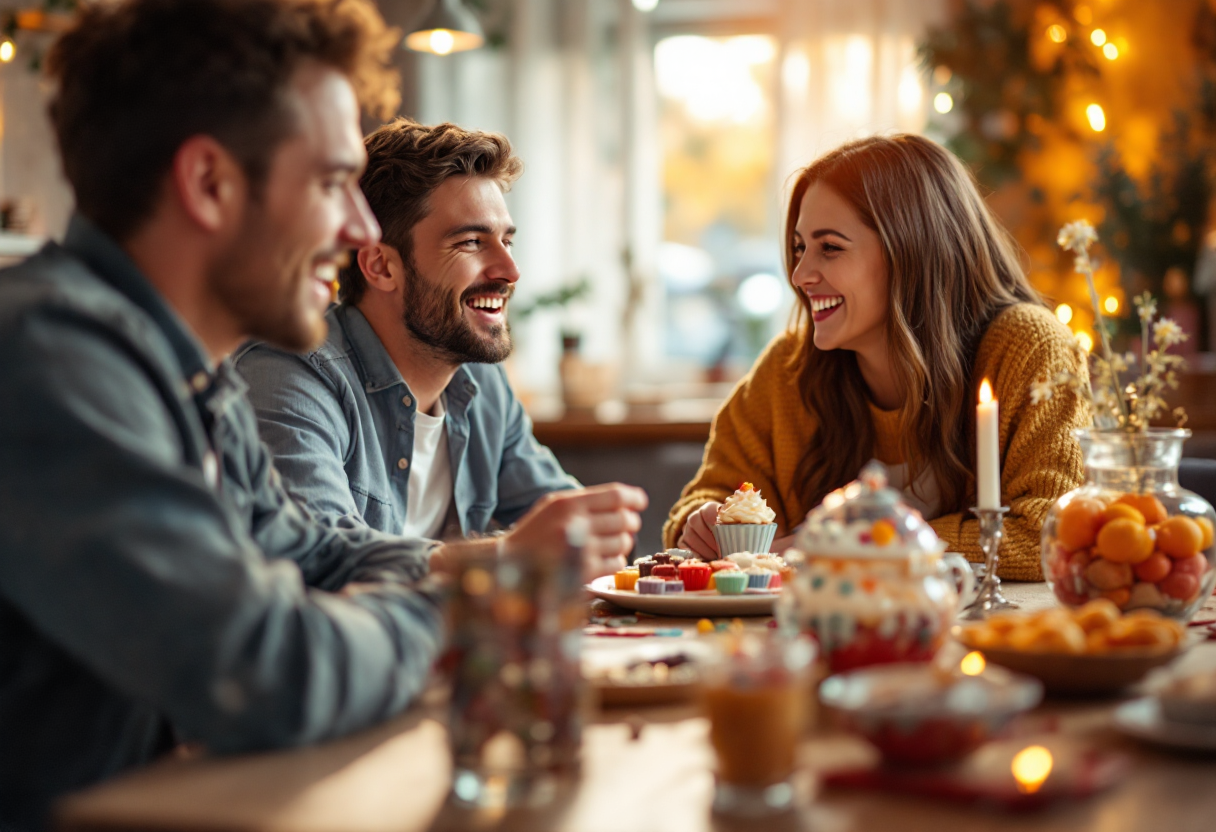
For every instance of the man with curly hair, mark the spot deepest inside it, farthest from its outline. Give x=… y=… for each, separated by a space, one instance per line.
x=403 y=419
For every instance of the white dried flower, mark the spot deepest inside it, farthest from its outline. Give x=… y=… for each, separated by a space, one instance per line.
x=1041 y=391
x=1077 y=236
x=1167 y=333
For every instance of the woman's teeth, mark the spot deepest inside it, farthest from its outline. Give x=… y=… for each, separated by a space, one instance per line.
x=823 y=304
x=327 y=272
x=487 y=303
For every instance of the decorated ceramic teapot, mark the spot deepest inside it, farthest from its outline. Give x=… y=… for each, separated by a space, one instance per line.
x=874 y=582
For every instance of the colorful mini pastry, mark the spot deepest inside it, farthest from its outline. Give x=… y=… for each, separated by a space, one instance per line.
x=743 y=560
x=644 y=566
x=672 y=587
x=665 y=571
x=695 y=575
x=719 y=565
x=626 y=578
x=651 y=586
x=713 y=581
x=758 y=577
x=662 y=557
x=730 y=582
x=683 y=553
x=676 y=560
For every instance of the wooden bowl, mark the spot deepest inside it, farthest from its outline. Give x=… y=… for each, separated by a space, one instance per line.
x=1083 y=673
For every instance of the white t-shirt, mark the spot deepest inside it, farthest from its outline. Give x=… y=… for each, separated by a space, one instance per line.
x=430 y=491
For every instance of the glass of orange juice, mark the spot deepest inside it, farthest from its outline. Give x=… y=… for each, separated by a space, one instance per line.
x=757 y=698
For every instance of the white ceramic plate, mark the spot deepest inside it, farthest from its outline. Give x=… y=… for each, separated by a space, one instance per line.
x=685 y=604
x=1141 y=718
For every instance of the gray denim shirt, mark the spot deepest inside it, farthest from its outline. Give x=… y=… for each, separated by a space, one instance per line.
x=156 y=580
x=340 y=422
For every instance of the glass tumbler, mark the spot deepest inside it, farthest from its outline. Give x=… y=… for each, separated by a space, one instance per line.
x=757 y=697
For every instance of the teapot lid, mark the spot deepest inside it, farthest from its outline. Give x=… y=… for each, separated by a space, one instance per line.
x=867 y=519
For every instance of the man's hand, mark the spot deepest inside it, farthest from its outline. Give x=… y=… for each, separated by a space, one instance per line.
x=698 y=535
x=612 y=514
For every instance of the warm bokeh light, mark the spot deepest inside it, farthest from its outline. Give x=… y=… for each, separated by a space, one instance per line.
x=645 y=5
x=1111 y=305
x=943 y=102
x=1086 y=342
x=1056 y=33
x=942 y=75
x=1097 y=37
x=1064 y=313
x=716 y=79
x=1083 y=15
x=442 y=41
x=985 y=392
x=1110 y=51
x=973 y=664
x=1031 y=767
x=7 y=51
x=1096 y=116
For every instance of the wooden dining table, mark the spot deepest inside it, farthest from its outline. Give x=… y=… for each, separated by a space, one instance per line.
x=644 y=769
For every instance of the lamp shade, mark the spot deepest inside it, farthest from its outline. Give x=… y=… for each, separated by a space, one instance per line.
x=448 y=27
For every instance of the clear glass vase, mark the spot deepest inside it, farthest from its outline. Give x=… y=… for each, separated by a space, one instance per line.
x=1130 y=533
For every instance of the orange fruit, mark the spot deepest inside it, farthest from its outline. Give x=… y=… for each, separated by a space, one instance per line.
x=1208 y=533
x=1156 y=567
x=1180 y=537
x=1196 y=565
x=1106 y=574
x=1116 y=510
x=1119 y=597
x=1124 y=541
x=1078 y=523
x=1146 y=504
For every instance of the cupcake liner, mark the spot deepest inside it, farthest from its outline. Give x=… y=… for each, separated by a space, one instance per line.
x=730 y=582
x=744 y=537
x=759 y=581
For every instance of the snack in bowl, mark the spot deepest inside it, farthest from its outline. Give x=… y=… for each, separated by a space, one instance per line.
x=1097 y=627
x=744 y=522
x=1090 y=650
x=731 y=582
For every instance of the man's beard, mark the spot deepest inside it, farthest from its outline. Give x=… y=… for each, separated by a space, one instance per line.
x=435 y=318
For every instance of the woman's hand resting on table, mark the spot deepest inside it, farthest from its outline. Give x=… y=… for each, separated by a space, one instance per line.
x=698 y=535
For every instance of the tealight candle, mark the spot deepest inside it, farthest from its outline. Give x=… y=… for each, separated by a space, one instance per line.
x=987 y=451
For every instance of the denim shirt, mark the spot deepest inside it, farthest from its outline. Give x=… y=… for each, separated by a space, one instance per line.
x=340 y=422
x=156 y=580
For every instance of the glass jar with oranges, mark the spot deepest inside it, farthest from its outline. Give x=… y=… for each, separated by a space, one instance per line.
x=1130 y=533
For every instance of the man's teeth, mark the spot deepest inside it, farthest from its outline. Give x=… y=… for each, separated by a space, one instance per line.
x=487 y=303
x=327 y=273
x=820 y=304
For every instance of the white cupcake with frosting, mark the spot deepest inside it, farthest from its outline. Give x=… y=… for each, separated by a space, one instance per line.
x=745 y=522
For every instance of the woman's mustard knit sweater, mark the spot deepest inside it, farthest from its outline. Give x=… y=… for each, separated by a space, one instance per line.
x=761 y=433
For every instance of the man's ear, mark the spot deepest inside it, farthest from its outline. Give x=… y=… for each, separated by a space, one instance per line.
x=209 y=183
x=382 y=267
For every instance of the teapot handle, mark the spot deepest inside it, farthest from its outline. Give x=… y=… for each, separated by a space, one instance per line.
x=965 y=581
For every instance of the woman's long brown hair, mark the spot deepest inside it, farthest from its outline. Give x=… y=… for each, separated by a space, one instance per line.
x=952 y=269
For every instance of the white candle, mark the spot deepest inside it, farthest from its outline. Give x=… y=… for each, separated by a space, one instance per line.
x=987 y=451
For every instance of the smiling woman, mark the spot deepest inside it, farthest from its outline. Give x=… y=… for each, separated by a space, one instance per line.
x=910 y=292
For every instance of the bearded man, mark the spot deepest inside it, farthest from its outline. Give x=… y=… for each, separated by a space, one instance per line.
x=403 y=420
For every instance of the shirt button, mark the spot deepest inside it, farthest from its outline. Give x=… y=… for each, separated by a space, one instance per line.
x=403 y=463
x=407 y=401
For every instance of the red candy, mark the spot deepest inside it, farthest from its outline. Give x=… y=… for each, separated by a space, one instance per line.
x=1180 y=585
x=695 y=575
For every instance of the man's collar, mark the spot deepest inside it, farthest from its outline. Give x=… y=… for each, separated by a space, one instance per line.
x=379 y=371
x=107 y=259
